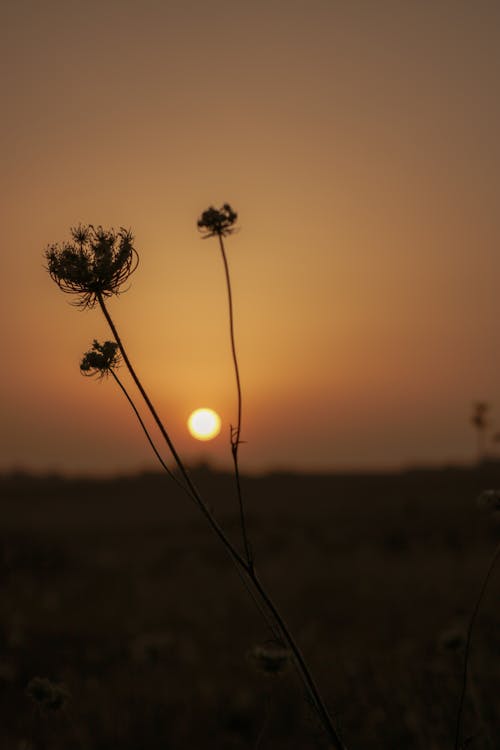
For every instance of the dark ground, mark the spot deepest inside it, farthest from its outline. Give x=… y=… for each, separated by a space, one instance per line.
x=119 y=590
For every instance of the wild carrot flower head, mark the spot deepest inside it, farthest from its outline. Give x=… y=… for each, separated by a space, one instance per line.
x=94 y=262
x=217 y=221
x=101 y=359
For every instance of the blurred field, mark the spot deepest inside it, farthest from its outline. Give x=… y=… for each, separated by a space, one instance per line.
x=118 y=589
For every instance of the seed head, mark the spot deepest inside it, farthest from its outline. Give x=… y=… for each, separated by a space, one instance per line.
x=94 y=262
x=100 y=359
x=217 y=221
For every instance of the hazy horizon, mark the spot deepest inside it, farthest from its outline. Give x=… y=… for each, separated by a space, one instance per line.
x=202 y=467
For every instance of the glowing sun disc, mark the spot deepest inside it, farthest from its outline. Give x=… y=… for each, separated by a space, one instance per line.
x=204 y=424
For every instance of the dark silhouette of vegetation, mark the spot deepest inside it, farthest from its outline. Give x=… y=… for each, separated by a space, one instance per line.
x=220 y=223
x=94 y=266
x=480 y=421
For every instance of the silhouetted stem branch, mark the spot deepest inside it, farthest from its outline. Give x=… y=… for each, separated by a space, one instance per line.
x=143 y=393
x=235 y=435
x=146 y=432
x=468 y=642
x=301 y=665
x=243 y=579
x=245 y=566
x=199 y=500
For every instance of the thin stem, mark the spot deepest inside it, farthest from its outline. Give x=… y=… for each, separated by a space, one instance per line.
x=236 y=433
x=301 y=665
x=468 y=642
x=235 y=442
x=146 y=432
x=240 y=562
x=143 y=393
x=233 y=345
x=201 y=503
x=244 y=581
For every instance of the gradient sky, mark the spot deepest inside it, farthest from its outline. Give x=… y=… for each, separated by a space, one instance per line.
x=359 y=143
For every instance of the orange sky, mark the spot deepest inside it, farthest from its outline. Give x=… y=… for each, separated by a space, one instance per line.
x=359 y=143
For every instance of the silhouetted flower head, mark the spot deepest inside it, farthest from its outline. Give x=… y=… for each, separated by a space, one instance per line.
x=101 y=359
x=217 y=221
x=95 y=262
x=48 y=696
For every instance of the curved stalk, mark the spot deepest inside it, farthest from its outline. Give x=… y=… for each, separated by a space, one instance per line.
x=146 y=432
x=302 y=668
x=143 y=393
x=244 y=581
x=475 y=612
x=236 y=432
x=240 y=562
x=199 y=500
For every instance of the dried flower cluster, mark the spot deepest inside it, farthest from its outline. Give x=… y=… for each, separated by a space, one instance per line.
x=96 y=262
x=217 y=221
x=100 y=359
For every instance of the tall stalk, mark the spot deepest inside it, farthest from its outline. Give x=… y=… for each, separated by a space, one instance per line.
x=243 y=564
x=111 y=371
x=146 y=431
x=192 y=488
x=219 y=222
x=235 y=436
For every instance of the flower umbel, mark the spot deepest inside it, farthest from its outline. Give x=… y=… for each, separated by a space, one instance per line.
x=101 y=359
x=217 y=221
x=96 y=262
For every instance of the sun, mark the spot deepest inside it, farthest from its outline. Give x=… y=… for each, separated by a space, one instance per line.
x=204 y=424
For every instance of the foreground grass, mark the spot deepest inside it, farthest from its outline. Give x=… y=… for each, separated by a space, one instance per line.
x=125 y=598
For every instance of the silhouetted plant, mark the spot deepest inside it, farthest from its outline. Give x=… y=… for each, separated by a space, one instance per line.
x=220 y=223
x=479 y=420
x=217 y=222
x=94 y=266
x=100 y=360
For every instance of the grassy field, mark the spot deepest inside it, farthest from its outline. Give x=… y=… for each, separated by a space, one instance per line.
x=119 y=590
